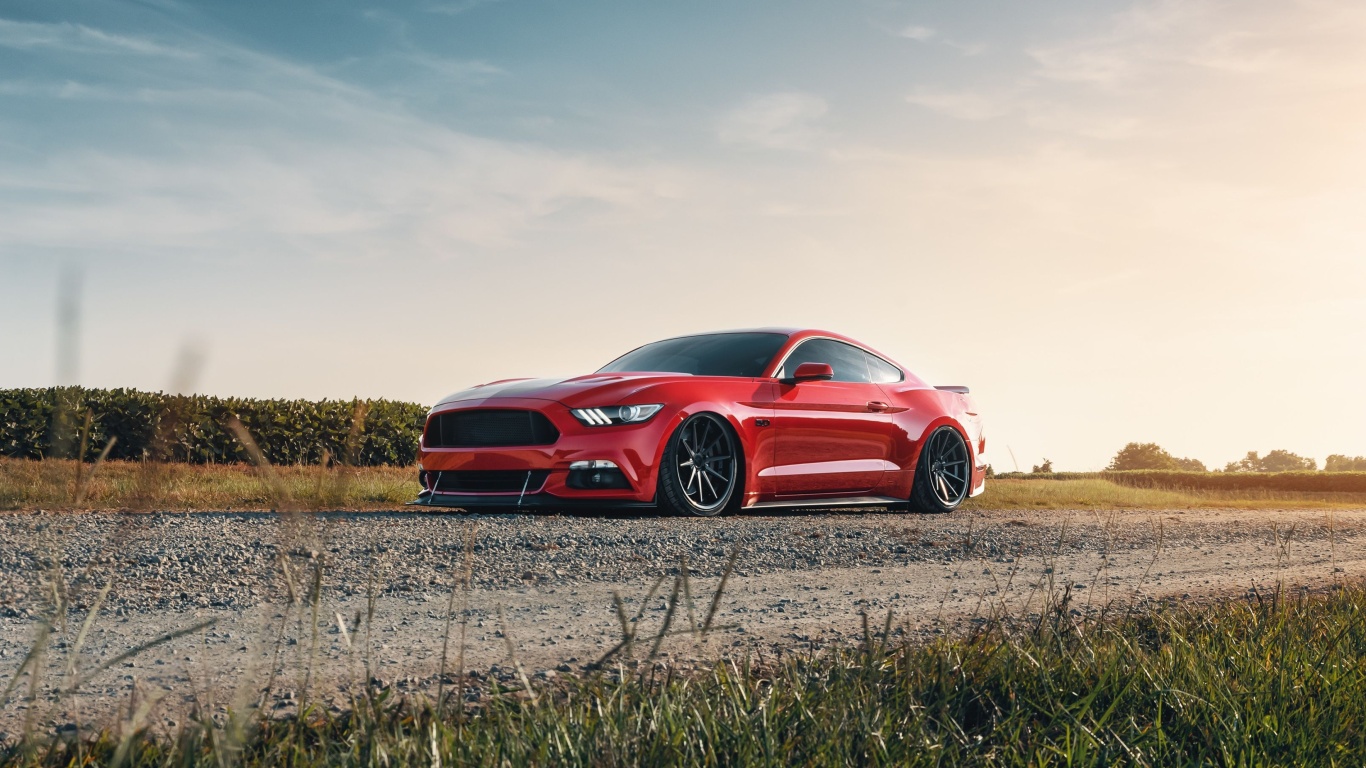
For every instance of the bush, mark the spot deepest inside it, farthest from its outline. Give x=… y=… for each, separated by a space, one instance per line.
x=39 y=423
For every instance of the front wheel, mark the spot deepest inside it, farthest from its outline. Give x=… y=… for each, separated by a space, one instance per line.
x=700 y=472
x=944 y=473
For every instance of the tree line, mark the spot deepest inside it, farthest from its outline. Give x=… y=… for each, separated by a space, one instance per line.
x=1136 y=456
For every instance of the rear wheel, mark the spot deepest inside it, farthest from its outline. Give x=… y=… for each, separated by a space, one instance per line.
x=944 y=474
x=700 y=473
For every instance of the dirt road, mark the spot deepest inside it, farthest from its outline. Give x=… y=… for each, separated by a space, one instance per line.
x=543 y=587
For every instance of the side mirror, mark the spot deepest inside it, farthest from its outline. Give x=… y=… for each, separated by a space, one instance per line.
x=812 y=372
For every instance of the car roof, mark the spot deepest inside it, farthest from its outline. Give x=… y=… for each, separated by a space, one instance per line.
x=792 y=334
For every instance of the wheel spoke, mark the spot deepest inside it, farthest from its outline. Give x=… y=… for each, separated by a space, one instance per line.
x=946 y=458
x=705 y=464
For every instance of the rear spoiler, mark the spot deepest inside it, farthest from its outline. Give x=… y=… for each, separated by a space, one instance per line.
x=959 y=390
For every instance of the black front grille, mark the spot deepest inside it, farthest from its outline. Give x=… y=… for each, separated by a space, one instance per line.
x=489 y=428
x=493 y=481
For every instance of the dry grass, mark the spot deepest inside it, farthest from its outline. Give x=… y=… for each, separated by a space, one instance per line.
x=52 y=484
x=1103 y=494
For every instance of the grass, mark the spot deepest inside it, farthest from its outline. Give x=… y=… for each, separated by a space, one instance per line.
x=1266 y=680
x=1269 y=679
x=53 y=484
x=1104 y=494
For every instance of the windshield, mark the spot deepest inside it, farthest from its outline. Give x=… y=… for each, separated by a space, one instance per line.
x=713 y=354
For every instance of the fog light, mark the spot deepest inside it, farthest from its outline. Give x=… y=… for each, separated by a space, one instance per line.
x=596 y=475
x=595 y=464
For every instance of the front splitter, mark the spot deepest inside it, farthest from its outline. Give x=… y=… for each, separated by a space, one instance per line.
x=538 y=501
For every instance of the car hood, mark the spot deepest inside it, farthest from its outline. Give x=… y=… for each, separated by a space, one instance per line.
x=595 y=389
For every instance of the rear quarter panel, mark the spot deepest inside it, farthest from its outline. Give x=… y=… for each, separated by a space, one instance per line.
x=921 y=411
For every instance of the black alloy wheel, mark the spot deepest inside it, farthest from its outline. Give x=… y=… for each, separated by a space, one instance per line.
x=944 y=475
x=700 y=473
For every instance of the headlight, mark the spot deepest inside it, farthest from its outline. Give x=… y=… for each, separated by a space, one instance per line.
x=616 y=414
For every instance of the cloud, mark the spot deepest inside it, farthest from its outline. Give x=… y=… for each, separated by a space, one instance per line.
x=776 y=121
x=457 y=7
x=236 y=152
x=962 y=105
x=924 y=34
x=1200 y=37
x=77 y=38
x=917 y=33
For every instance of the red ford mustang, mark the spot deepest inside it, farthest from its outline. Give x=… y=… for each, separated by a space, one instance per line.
x=708 y=424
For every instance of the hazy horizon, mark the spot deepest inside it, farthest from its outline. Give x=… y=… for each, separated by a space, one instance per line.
x=1117 y=221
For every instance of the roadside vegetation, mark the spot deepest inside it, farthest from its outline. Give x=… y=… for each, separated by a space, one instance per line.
x=1267 y=679
x=138 y=486
x=55 y=484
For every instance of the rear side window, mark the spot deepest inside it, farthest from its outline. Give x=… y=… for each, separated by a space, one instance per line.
x=881 y=371
x=848 y=362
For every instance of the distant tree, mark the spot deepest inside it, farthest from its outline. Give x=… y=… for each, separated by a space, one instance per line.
x=1142 y=456
x=1043 y=469
x=1191 y=465
x=1249 y=463
x=990 y=471
x=1340 y=463
x=1275 y=461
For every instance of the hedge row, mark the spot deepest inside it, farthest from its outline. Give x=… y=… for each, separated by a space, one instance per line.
x=38 y=423
x=1324 y=482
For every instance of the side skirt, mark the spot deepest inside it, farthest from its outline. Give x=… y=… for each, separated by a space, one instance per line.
x=834 y=503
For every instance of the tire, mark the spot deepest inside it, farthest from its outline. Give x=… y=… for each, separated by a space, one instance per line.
x=709 y=488
x=943 y=476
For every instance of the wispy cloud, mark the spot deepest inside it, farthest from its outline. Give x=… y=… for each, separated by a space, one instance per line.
x=236 y=151
x=77 y=38
x=776 y=121
x=962 y=105
x=918 y=33
x=457 y=7
x=923 y=34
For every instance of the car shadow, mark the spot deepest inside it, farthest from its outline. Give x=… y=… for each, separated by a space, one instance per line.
x=607 y=513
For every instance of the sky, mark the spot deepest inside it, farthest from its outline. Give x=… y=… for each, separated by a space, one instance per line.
x=1115 y=221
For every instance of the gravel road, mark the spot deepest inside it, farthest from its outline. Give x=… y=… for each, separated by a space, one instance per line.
x=543 y=587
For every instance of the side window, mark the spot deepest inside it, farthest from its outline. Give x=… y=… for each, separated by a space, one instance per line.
x=882 y=371
x=848 y=362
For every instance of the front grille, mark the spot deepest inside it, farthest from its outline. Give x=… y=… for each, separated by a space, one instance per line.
x=489 y=428
x=493 y=481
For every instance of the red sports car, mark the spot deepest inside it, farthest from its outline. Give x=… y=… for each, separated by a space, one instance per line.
x=708 y=424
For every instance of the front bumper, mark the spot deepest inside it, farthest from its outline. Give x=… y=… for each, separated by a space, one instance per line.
x=634 y=448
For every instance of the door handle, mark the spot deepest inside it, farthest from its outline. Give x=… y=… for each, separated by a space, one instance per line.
x=877 y=406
